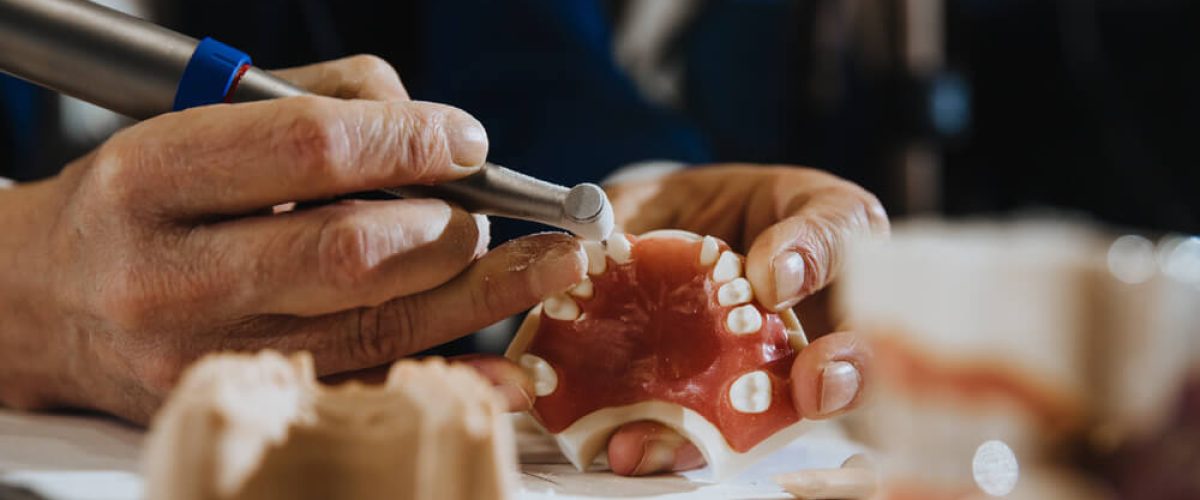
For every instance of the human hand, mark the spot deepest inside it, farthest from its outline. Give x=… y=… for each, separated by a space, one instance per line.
x=793 y=224
x=161 y=245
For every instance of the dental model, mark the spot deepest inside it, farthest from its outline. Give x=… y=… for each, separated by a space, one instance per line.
x=261 y=427
x=664 y=328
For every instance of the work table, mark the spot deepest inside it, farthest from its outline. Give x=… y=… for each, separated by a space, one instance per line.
x=95 y=457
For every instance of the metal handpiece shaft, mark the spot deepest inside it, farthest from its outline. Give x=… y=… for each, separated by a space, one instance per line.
x=105 y=57
x=496 y=190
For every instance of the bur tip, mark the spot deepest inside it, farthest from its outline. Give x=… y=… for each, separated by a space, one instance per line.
x=589 y=211
x=585 y=202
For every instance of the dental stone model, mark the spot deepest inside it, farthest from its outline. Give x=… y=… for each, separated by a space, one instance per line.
x=664 y=328
x=261 y=427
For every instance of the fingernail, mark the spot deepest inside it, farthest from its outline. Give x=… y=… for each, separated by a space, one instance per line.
x=485 y=234
x=467 y=139
x=789 y=278
x=839 y=385
x=557 y=267
x=657 y=456
x=515 y=396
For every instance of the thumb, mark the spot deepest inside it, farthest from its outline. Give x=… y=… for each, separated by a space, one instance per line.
x=831 y=374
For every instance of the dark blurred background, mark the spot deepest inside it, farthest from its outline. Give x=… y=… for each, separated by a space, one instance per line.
x=954 y=107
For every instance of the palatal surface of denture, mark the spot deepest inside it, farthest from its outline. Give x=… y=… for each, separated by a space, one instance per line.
x=664 y=328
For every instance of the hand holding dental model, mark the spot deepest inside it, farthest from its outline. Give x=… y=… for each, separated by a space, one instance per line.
x=162 y=245
x=671 y=310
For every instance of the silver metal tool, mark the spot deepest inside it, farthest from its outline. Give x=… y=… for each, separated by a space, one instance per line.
x=583 y=209
x=134 y=67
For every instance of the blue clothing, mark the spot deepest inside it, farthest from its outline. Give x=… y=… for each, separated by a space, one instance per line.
x=541 y=75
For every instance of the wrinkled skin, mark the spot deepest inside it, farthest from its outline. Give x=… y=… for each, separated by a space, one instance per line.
x=161 y=246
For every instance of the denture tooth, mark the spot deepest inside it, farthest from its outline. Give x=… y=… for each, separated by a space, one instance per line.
x=743 y=320
x=735 y=292
x=709 y=248
x=797 y=340
x=619 y=248
x=751 y=392
x=560 y=307
x=545 y=379
x=728 y=267
x=583 y=290
x=795 y=331
x=597 y=261
x=677 y=234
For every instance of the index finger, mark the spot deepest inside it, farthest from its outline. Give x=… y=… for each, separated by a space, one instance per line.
x=354 y=77
x=802 y=252
x=507 y=280
x=234 y=159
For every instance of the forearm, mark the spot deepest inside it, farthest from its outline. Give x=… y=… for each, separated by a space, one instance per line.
x=32 y=371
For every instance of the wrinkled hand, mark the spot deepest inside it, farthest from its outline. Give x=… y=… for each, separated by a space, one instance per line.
x=161 y=245
x=793 y=224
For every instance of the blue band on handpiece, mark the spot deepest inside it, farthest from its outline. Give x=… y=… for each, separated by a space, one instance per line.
x=211 y=72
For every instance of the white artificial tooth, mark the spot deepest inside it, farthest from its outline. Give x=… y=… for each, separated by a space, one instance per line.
x=743 y=320
x=797 y=340
x=728 y=267
x=795 y=331
x=751 y=393
x=597 y=261
x=735 y=292
x=583 y=290
x=677 y=234
x=545 y=379
x=619 y=248
x=560 y=307
x=709 y=248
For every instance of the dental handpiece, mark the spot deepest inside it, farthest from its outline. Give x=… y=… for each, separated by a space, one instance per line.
x=139 y=69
